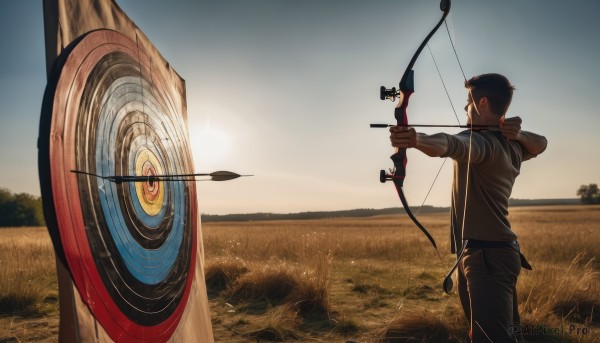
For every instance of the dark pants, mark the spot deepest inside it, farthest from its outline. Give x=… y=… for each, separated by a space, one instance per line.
x=487 y=280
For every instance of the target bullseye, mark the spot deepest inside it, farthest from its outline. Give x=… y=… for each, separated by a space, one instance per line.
x=150 y=194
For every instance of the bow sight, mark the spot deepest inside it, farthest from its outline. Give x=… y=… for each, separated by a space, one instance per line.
x=385 y=93
x=391 y=176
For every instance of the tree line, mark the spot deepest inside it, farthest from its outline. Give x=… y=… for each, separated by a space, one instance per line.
x=20 y=209
x=24 y=209
x=589 y=194
x=362 y=212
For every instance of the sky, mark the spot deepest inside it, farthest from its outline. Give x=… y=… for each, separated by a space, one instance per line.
x=286 y=90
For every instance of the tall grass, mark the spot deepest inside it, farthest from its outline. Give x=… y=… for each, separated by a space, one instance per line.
x=558 y=234
x=362 y=279
x=27 y=271
x=386 y=237
x=558 y=294
x=384 y=268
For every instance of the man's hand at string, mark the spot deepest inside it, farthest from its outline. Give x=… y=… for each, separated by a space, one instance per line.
x=511 y=127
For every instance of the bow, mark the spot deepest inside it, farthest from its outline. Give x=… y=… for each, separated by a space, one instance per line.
x=406 y=88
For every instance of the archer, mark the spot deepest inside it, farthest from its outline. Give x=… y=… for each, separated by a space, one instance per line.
x=486 y=164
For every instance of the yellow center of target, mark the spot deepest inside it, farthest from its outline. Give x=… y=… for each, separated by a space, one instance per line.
x=150 y=193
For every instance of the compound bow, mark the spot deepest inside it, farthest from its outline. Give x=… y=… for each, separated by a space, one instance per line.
x=406 y=88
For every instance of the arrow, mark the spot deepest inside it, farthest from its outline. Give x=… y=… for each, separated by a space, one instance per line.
x=221 y=175
x=489 y=127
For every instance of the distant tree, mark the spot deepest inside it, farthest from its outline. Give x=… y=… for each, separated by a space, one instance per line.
x=5 y=195
x=589 y=194
x=5 y=206
x=20 y=209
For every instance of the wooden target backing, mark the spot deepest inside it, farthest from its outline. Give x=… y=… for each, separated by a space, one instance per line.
x=130 y=247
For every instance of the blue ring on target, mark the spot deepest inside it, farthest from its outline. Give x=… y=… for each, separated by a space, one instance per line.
x=149 y=266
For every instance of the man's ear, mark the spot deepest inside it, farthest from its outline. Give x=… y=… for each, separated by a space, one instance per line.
x=483 y=102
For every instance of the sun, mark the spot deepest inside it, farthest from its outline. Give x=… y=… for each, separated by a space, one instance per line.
x=210 y=144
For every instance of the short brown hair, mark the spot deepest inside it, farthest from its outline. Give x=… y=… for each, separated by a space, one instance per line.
x=495 y=87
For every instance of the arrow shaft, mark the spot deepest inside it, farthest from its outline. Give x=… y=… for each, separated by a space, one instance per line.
x=435 y=125
x=215 y=176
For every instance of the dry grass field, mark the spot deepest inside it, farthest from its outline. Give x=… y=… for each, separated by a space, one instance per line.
x=28 y=286
x=345 y=279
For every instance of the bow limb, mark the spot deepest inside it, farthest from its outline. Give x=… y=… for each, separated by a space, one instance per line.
x=414 y=219
x=445 y=8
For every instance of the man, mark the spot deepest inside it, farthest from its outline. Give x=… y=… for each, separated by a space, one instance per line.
x=487 y=161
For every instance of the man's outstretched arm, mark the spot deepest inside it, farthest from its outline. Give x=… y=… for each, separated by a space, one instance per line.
x=431 y=145
x=437 y=144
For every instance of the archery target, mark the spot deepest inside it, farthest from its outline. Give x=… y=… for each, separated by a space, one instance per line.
x=130 y=246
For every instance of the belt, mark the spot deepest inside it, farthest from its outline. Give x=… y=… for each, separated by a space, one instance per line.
x=476 y=244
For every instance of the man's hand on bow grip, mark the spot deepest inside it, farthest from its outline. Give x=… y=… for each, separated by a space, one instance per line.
x=403 y=137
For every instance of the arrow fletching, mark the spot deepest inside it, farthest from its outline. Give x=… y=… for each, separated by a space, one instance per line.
x=224 y=175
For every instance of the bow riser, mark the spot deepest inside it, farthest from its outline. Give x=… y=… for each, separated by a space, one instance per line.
x=407 y=88
x=399 y=157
